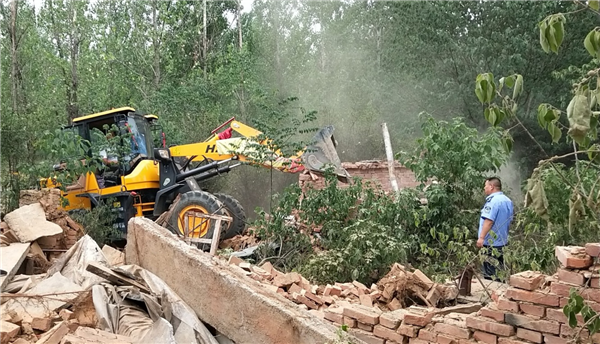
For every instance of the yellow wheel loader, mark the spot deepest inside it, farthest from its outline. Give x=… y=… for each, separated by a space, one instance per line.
x=148 y=179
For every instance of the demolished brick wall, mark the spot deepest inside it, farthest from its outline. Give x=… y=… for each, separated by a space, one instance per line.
x=529 y=311
x=373 y=170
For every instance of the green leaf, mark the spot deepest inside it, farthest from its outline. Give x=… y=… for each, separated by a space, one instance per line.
x=479 y=90
x=551 y=37
x=510 y=81
x=499 y=116
x=518 y=86
x=558 y=30
x=572 y=319
x=593 y=4
x=590 y=43
x=543 y=40
x=492 y=117
x=554 y=131
x=541 y=116
x=551 y=115
x=507 y=142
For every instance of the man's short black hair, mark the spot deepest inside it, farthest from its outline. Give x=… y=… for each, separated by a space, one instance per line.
x=495 y=181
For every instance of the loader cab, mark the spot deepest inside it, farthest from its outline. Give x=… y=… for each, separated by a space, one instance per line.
x=123 y=136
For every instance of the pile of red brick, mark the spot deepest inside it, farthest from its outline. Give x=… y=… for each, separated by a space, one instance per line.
x=530 y=311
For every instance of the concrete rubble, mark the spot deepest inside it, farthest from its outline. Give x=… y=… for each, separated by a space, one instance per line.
x=69 y=302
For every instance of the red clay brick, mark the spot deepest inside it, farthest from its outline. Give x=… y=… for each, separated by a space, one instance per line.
x=493 y=313
x=561 y=289
x=573 y=257
x=427 y=335
x=42 y=324
x=334 y=314
x=545 y=326
x=485 y=325
x=411 y=341
x=443 y=339
x=364 y=327
x=535 y=310
x=532 y=296
x=502 y=340
x=529 y=335
x=563 y=302
x=418 y=319
x=386 y=333
x=591 y=294
x=365 y=315
x=572 y=277
x=392 y=319
x=351 y=323
x=366 y=337
x=423 y=279
x=558 y=315
x=595 y=282
x=408 y=330
x=567 y=331
x=485 y=337
x=593 y=249
x=527 y=280
x=452 y=330
x=549 y=339
x=506 y=305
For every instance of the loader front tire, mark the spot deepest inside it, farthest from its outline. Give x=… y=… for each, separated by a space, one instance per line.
x=233 y=209
x=192 y=202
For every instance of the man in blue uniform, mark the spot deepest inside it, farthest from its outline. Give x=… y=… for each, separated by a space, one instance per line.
x=496 y=215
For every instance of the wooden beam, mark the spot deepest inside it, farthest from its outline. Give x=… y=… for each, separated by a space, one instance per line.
x=115 y=277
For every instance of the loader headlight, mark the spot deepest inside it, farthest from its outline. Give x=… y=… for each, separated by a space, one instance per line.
x=162 y=153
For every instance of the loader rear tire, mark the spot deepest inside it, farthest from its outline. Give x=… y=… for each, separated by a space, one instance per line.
x=234 y=209
x=189 y=203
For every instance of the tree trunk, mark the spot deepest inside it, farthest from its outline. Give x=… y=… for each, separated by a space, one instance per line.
x=239 y=22
x=73 y=106
x=379 y=31
x=204 y=42
x=14 y=57
x=156 y=46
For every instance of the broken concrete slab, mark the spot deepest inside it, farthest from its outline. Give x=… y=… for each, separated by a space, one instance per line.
x=113 y=256
x=250 y=311
x=29 y=223
x=11 y=258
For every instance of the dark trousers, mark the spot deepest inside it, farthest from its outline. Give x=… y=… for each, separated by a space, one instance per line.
x=493 y=263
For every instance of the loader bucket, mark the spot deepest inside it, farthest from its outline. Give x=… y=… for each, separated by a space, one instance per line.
x=322 y=153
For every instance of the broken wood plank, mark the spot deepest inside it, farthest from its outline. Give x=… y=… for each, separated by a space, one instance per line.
x=115 y=277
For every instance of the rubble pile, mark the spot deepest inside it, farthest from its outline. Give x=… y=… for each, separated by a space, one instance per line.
x=403 y=306
x=84 y=294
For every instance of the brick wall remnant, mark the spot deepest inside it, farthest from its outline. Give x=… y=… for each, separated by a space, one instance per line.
x=375 y=171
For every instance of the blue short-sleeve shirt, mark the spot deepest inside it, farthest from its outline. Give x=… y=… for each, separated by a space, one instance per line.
x=499 y=209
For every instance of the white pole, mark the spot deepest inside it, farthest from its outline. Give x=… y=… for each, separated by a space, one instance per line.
x=390 y=158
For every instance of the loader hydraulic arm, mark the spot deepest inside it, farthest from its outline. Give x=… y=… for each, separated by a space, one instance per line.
x=221 y=146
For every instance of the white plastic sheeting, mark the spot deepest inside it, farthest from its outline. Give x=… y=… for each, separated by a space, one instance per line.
x=72 y=263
